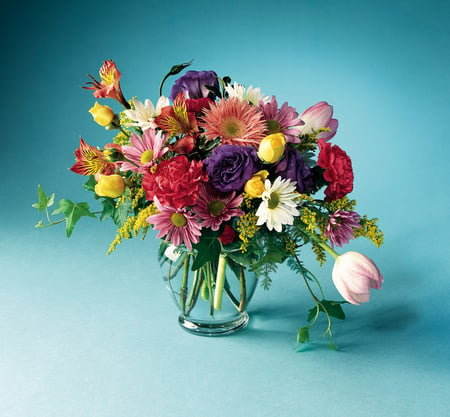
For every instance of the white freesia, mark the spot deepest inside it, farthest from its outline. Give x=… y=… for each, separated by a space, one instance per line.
x=252 y=95
x=144 y=114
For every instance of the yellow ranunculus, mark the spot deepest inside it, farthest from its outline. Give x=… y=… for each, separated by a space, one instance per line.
x=110 y=186
x=271 y=148
x=254 y=187
x=103 y=115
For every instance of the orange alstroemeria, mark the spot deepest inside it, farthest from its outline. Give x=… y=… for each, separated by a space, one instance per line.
x=109 y=84
x=176 y=120
x=91 y=161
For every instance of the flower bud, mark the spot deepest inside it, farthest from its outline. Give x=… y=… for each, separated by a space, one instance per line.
x=110 y=186
x=271 y=148
x=354 y=274
x=254 y=187
x=103 y=115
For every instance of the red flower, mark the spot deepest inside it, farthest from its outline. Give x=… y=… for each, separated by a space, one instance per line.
x=338 y=170
x=227 y=235
x=91 y=161
x=176 y=182
x=196 y=105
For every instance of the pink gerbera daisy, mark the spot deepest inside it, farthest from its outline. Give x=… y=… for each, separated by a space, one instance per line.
x=177 y=225
x=284 y=120
x=213 y=207
x=144 y=151
x=235 y=122
x=340 y=227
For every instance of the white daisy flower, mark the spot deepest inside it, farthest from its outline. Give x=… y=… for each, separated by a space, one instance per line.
x=278 y=206
x=143 y=115
x=252 y=95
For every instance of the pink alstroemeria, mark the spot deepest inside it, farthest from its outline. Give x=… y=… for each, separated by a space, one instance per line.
x=109 y=84
x=354 y=274
x=319 y=116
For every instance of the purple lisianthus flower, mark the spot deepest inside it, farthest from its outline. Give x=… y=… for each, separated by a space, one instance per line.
x=230 y=166
x=293 y=167
x=192 y=85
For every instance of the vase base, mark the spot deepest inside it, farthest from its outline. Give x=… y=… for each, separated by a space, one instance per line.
x=213 y=328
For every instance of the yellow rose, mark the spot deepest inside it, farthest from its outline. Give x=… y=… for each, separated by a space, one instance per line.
x=110 y=186
x=271 y=148
x=103 y=115
x=254 y=187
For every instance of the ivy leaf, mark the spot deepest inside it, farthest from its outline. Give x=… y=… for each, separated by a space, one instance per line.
x=108 y=209
x=208 y=250
x=72 y=212
x=120 y=214
x=90 y=183
x=334 y=309
x=303 y=335
x=44 y=201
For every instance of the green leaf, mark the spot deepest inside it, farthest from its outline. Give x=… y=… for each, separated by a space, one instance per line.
x=72 y=212
x=208 y=250
x=90 y=183
x=108 y=209
x=44 y=201
x=334 y=309
x=120 y=214
x=303 y=335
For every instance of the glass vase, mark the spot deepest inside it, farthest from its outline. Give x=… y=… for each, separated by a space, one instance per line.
x=213 y=298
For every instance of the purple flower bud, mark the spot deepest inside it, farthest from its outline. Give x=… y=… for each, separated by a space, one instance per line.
x=192 y=85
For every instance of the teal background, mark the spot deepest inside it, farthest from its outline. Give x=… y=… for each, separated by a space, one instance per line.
x=84 y=335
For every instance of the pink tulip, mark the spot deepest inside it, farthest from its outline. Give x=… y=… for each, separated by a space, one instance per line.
x=319 y=116
x=354 y=274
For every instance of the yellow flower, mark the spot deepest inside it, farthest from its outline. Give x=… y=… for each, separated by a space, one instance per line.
x=103 y=115
x=254 y=187
x=110 y=186
x=271 y=148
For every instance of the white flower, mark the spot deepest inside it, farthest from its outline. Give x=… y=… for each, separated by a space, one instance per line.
x=252 y=95
x=143 y=115
x=278 y=206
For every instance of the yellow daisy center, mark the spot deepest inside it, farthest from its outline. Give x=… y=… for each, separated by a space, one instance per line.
x=273 y=125
x=178 y=219
x=216 y=207
x=274 y=200
x=147 y=156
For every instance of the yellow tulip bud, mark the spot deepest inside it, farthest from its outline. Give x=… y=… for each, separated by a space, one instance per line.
x=254 y=187
x=110 y=186
x=271 y=148
x=103 y=115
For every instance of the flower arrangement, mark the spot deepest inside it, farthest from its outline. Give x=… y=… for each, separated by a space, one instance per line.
x=222 y=171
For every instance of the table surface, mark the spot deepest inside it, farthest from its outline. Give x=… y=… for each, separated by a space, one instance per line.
x=89 y=335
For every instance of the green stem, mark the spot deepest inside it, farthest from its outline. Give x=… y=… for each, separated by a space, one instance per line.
x=183 y=288
x=220 y=281
x=331 y=251
x=243 y=289
x=193 y=296
x=317 y=301
x=209 y=274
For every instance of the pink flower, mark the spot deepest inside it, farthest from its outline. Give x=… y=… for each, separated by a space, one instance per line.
x=144 y=151
x=284 y=120
x=317 y=116
x=354 y=274
x=340 y=227
x=177 y=225
x=213 y=207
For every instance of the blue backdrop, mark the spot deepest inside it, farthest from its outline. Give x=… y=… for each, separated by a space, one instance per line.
x=83 y=334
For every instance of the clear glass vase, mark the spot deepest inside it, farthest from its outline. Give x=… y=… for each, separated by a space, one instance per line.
x=213 y=298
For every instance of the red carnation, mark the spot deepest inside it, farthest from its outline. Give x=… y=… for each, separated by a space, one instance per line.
x=227 y=235
x=338 y=170
x=196 y=105
x=176 y=182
